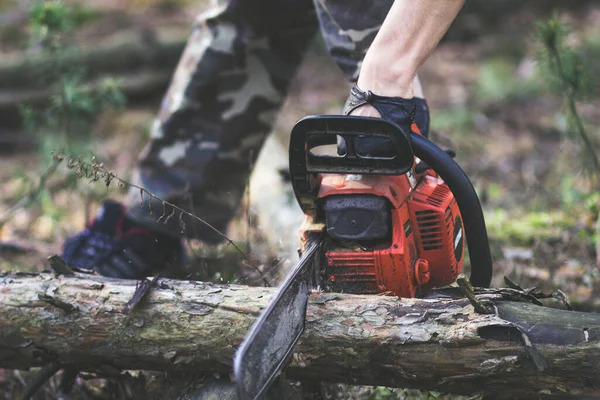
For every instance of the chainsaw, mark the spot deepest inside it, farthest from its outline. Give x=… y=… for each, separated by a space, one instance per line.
x=392 y=221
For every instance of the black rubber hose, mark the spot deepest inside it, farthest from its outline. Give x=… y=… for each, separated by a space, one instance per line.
x=468 y=203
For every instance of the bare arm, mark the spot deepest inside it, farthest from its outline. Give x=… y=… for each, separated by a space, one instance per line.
x=409 y=34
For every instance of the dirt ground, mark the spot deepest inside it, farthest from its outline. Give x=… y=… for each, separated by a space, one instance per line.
x=487 y=101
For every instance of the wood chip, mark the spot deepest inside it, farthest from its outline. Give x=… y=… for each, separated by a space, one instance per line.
x=142 y=288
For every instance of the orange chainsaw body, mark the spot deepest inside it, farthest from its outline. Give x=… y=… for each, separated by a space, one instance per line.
x=424 y=250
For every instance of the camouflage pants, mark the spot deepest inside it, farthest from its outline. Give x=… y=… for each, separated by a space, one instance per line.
x=225 y=95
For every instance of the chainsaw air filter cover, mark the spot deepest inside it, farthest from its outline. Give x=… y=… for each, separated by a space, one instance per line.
x=357 y=217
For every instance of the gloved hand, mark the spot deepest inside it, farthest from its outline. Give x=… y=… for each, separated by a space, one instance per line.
x=395 y=109
x=403 y=112
x=115 y=246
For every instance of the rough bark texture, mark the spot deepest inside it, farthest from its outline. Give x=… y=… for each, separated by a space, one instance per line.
x=434 y=344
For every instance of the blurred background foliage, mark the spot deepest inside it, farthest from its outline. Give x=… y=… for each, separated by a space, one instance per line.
x=513 y=88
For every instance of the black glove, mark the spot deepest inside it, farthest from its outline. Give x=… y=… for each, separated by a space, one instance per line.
x=402 y=112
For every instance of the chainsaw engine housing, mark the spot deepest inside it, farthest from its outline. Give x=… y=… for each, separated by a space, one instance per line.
x=387 y=236
x=362 y=217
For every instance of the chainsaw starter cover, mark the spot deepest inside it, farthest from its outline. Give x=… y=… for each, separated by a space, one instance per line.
x=357 y=217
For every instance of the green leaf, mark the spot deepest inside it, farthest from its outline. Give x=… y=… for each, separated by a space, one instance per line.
x=49 y=18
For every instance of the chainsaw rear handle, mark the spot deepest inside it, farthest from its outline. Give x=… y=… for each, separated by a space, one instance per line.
x=323 y=129
x=468 y=203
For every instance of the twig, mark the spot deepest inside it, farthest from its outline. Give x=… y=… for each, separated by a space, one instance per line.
x=66 y=307
x=39 y=379
x=142 y=288
x=96 y=171
x=59 y=265
x=467 y=289
x=563 y=298
x=512 y=285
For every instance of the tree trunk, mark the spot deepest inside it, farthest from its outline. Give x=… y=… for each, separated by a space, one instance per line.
x=432 y=344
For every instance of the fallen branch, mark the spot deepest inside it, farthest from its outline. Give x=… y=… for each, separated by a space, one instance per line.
x=123 y=52
x=432 y=344
x=142 y=63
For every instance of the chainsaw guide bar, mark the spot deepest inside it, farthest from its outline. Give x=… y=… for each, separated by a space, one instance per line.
x=271 y=340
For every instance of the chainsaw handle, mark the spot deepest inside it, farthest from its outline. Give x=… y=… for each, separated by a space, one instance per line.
x=468 y=203
x=314 y=131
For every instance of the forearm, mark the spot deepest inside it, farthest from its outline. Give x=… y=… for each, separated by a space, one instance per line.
x=409 y=34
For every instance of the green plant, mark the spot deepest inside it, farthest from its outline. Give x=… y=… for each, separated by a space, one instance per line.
x=567 y=72
x=562 y=66
x=65 y=122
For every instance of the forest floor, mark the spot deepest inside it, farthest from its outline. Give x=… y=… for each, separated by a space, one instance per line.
x=488 y=103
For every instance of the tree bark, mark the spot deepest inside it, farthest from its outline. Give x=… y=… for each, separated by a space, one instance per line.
x=433 y=344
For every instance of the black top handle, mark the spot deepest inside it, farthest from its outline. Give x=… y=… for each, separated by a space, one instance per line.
x=314 y=131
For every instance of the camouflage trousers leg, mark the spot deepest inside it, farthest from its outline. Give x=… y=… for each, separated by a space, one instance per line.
x=348 y=28
x=222 y=102
x=225 y=95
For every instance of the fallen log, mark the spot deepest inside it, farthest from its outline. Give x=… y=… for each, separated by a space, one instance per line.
x=123 y=52
x=520 y=350
x=143 y=63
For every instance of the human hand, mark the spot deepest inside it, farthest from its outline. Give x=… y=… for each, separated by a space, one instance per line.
x=406 y=91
